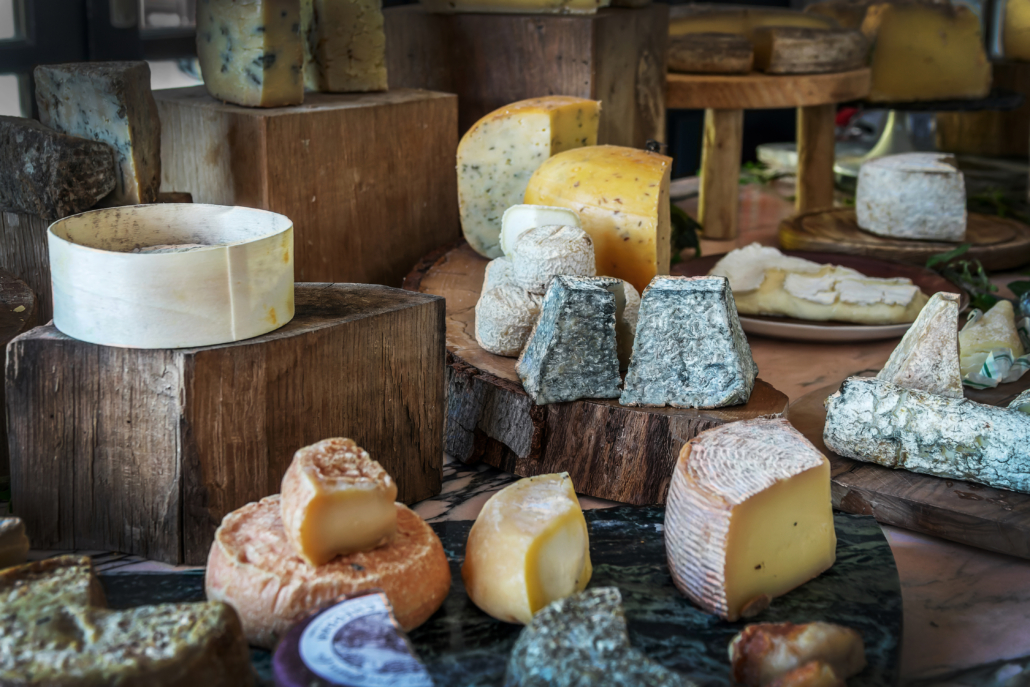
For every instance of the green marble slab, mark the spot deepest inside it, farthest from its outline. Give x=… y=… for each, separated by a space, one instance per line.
x=463 y=646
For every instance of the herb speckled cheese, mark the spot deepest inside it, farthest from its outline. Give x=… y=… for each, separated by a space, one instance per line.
x=344 y=45
x=499 y=154
x=622 y=198
x=109 y=102
x=251 y=51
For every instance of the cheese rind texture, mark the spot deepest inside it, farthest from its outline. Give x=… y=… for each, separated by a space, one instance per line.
x=14 y=543
x=499 y=272
x=622 y=198
x=344 y=45
x=336 y=501
x=749 y=516
x=505 y=317
x=720 y=18
x=690 y=350
x=543 y=253
x=994 y=330
x=710 y=53
x=518 y=219
x=499 y=154
x=627 y=313
x=515 y=6
x=528 y=547
x=572 y=352
x=912 y=196
x=797 y=50
x=110 y=102
x=764 y=652
x=879 y=422
x=927 y=358
x=251 y=51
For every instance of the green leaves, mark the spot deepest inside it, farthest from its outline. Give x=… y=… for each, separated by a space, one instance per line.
x=684 y=233
x=945 y=258
x=969 y=274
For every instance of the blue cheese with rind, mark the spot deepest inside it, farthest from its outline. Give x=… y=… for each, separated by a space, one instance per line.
x=879 y=422
x=572 y=352
x=690 y=350
x=109 y=102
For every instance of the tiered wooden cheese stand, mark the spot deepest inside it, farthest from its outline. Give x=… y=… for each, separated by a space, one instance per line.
x=611 y=451
x=724 y=99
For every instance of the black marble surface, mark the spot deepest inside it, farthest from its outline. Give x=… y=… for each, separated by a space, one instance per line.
x=463 y=646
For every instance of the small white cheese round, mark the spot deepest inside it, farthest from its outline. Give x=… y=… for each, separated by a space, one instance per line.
x=499 y=271
x=505 y=317
x=543 y=253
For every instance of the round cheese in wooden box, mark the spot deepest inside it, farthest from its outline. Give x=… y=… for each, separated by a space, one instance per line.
x=171 y=275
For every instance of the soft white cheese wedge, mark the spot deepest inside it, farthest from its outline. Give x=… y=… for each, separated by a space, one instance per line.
x=928 y=356
x=518 y=219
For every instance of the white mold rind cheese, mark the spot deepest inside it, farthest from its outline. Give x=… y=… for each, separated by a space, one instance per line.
x=505 y=317
x=518 y=219
x=499 y=271
x=749 y=516
x=543 y=253
x=627 y=311
x=928 y=356
x=879 y=422
x=912 y=196
x=344 y=45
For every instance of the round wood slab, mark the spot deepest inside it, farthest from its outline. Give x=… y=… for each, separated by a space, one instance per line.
x=973 y=514
x=757 y=91
x=612 y=452
x=997 y=242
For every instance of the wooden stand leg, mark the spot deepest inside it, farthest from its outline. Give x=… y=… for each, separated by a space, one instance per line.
x=815 y=157
x=720 y=173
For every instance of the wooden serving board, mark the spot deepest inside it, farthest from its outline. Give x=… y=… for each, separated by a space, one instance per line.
x=984 y=517
x=997 y=242
x=758 y=91
x=611 y=451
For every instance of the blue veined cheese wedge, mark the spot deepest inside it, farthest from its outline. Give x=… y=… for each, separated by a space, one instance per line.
x=572 y=351
x=109 y=102
x=251 y=53
x=928 y=356
x=879 y=422
x=689 y=350
x=344 y=45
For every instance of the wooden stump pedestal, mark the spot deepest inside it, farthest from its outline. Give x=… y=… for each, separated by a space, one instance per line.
x=144 y=451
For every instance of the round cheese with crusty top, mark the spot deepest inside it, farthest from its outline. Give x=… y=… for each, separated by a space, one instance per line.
x=253 y=568
x=505 y=317
x=543 y=253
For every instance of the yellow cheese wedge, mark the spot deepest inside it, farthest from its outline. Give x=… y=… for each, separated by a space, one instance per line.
x=622 y=198
x=501 y=151
x=1016 y=30
x=995 y=330
x=740 y=20
x=848 y=13
x=748 y=516
x=336 y=500
x=528 y=547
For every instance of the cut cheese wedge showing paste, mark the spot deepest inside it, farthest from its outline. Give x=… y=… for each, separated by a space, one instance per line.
x=928 y=356
x=995 y=330
x=518 y=219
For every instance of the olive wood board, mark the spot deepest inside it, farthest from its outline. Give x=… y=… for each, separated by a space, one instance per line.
x=612 y=452
x=964 y=512
x=757 y=91
x=998 y=243
x=794 y=329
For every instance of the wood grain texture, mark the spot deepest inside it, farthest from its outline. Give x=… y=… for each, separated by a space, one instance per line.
x=19 y=313
x=756 y=91
x=999 y=243
x=144 y=451
x=720 y=173
x=616 y=56
x=368 y=179
x=612 y=452
x=973 y=514
x=24 y=254
x=996 y=133
x=816 y=141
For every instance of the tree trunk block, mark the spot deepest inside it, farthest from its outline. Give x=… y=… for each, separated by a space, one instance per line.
x=144 y=451
x=616 y=56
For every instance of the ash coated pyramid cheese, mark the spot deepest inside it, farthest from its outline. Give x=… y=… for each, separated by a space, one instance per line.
x=505 y=317
x=528 y=547
x=344 y=45
x=912 y=196
x=518 y=219
x=689 y=350
x=336 y=501
x=928 y=356
x=622 y=198
x=994 y=330
x=572 y=352
x=879 y=422
x=749 y=516
x=499 y=154
x=543 y=253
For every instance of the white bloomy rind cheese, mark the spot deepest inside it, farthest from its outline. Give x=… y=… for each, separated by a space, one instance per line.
x=912 y=196
x=239 y=285
x=336 y=500
x=344 y=45
x=109 y=102
x=518 y=219
x=544 y=253
x=622 y=198
x=499 y=154
x=928 y=356
x=251 y=52
x=748 y=517
x=499 y=272
x=505 y=316
x=879 y=422
x=528 y=547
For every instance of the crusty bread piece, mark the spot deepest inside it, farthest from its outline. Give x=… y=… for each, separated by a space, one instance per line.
x=59 y=581
x=253 y=568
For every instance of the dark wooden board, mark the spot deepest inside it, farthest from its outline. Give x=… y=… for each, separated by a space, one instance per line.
x=611 y=451
x=758 y=91
x=997 y=242
x=19 y=312
x=984 y=517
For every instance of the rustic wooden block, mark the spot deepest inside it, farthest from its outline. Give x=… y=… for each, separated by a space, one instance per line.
x=24 y=254
x=616 y=56
x=18 y=314
x=368 y=179
x=144 y=451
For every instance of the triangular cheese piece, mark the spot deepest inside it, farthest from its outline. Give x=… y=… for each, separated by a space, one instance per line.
x=927 y=358
x=980 y=337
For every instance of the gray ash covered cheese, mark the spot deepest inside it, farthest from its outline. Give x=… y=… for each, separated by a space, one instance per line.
x=689 y=350
x=109 y=102
x=571 y=353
